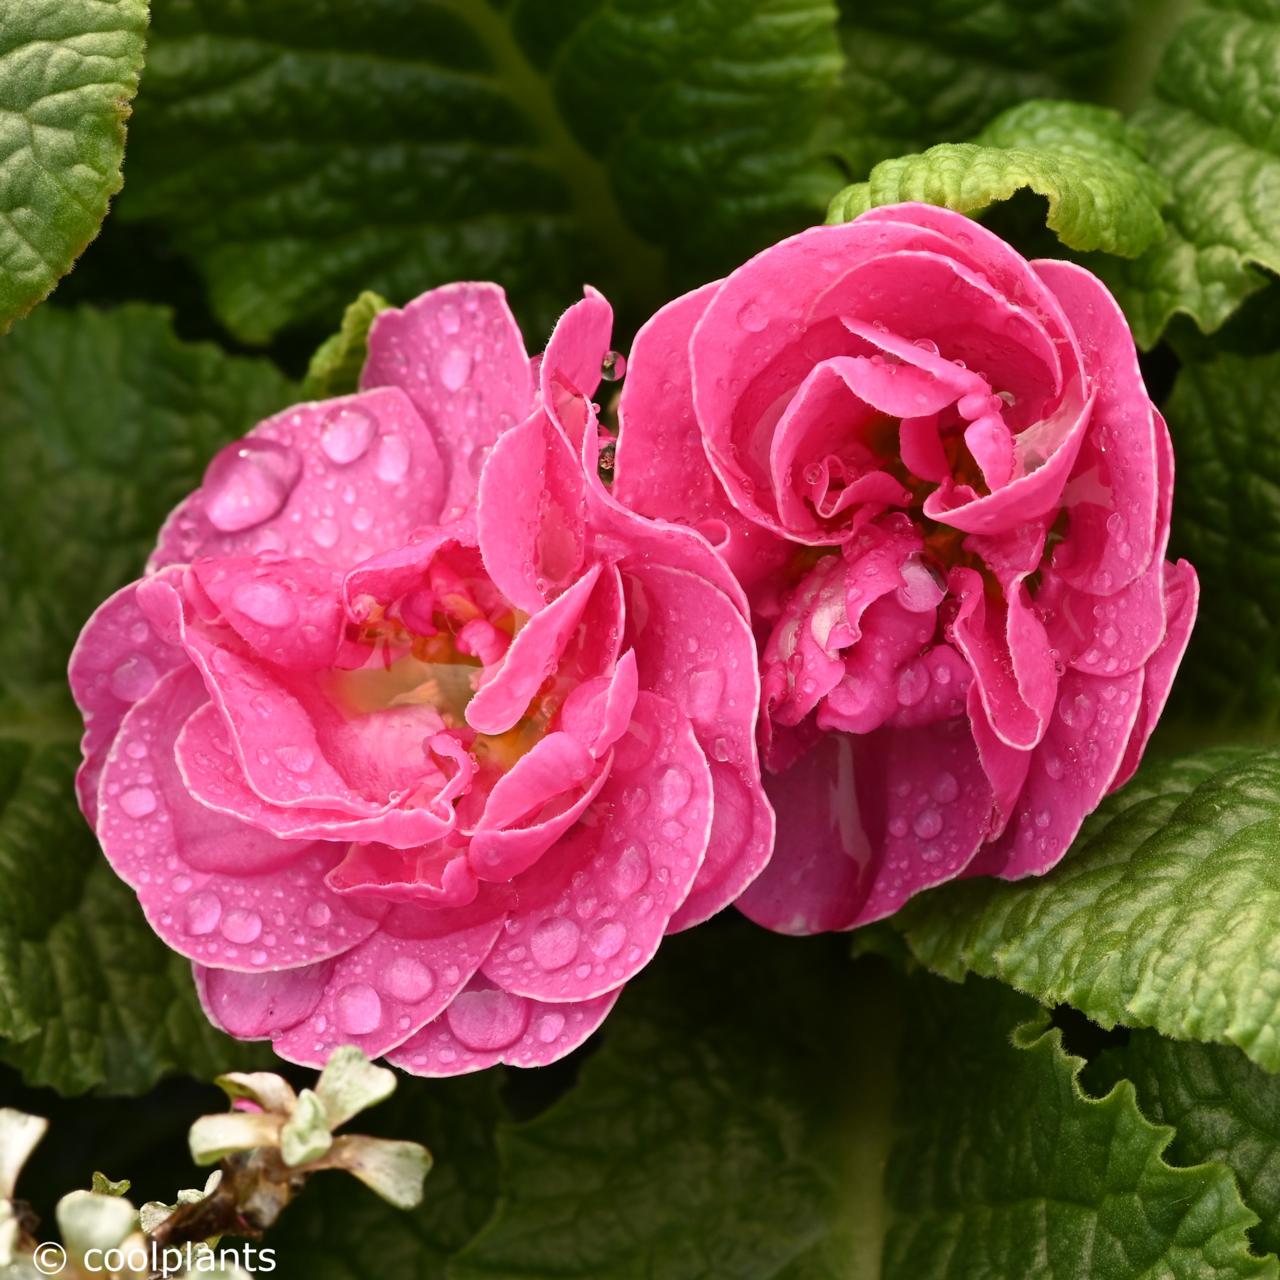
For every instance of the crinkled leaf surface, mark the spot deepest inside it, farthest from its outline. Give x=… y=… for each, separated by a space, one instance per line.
x=342 y=1231
x=108 y=421
x=1225 y=418
x=1212 y=130
x=740 y=1122
x=302 y=150
x=1165 y=914
x=68 y=69
x=1083 y=159
x=941 y=69
x=1223 y=1108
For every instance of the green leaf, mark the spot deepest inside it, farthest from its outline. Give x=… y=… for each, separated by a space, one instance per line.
x=68 y=69
x=335 y=368
x=538 y=145
x=108 y=422
x=1225 y=419
x=1213 y=135
x=941 y=69
x=1223 y=1108
x=339 y=1231
x=764 y=1108
x=1084 y=160
x=1165 y=914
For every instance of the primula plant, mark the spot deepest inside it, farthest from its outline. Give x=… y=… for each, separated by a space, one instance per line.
x=690 y=589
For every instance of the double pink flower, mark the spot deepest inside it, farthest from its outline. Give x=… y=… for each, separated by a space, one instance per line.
x=415 y=735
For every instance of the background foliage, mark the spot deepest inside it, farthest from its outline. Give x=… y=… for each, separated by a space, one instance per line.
x=1071 y=1077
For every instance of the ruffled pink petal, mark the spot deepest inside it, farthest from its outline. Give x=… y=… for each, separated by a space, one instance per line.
x=334 y=480
x=457 y=352
x=1113 y=499
x=214 y=889
x=694 y=648
x=532 y=549
x=533 y=656
x=598 y=711
x=117 y=660
x=486 y=1025
x=570 y=370
x=434 y=875
x=254 y=1006
x=1182 y=597
x=592 y=910
x=395 y=982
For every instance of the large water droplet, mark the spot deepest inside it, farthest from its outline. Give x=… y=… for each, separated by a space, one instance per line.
x=549 y=1027
x=555 y=942
x=318 y=915
x=752 y=316
x=359 y=1009
x=392 y=463
x=455 y=368
x=674 y=788
x=203 y=913
x=265 y=602
x=296 y=759
x=408 y=979
x=138 y=802
x=241 y=927
x=614 y=366
x=945 y=788
x=629 y=871
x=487 y=1020
x=133 y=678
x=347 y=433
x=450 y=320
x=607 y=938
x=248 y=482
x=927 y=823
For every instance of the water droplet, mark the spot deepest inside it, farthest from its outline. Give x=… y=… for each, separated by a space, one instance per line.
x=927 y=824
x=607 y=939
x=913 y=683
x=455 y=368
x=408 y=979
x=347 y=433
x=1053 y=767
x=927 y=345
x=241 y=927
x=318 y=915
x=392 y=463
x=945 y=788
x=555 y=942
x=752 y=316
x=325 y=532
x=137 y=802
x=1008 y=397
x=450 y=320
x=629 y=871
x=549 y=1027
x=265 y=602
x=487 y=1020
x=359 y=1009
x=296 y=759
x=203 y=913
x=674 y=789
x=247 y=483
x=614 y=366
x=133 y=678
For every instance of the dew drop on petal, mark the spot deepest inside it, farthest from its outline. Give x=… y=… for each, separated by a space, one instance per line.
x=392 y=463
x=487 y=1020
x=265 y=602
x=359 y=1009
x=455 y=368
x=607 y=939
x=133 y=678
x=927 y=823
x=549 y=1027
x=613 y=367
x=347 y=433
x=203 y=913
x=630 y=871
x=247 y=483
x=138 y=802
x=318 y=915
x=555 y=942
x=296 y=759
x=241 y=927
x=752 y=316
x=408 y=979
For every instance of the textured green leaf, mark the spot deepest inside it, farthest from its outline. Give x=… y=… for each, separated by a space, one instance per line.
x=941 y=69
x=1214 y=133
x=1225 y=419
x=1223 y=1108
x=1003 y=1167
x=340 y=1231
x=1084 y=160
x=335 y=368
x=1165 y=914
x=68 y=69
x=304 y=149
x=764 y=1108
x=108 y=421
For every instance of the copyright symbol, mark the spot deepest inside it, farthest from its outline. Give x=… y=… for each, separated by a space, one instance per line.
x=50 y=1259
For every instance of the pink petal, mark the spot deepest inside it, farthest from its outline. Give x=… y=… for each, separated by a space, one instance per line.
x=334 y=480
x=253 y=1006
x=593 y=909
x=458 y=353
x=570 y=369
x=486 y=1025
x=434 y=875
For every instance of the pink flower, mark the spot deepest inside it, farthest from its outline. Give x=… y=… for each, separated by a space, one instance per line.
x=411 y=737
x=936 y=470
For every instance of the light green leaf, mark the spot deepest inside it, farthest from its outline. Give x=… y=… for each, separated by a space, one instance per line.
x=1225 y=419
x=390 y=1168
x=68 y=69
x=1222 y=1107
x=1165 y=914
x=538 y=145
x=213 y=1138
x=941 y=69
x=108 y=422
x=305 y=1135
x=335 y=368
x=350 y=1084
x=1212 y=130
x=1084 y=160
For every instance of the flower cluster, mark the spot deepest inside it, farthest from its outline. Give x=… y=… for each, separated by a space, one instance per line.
x=418 y=735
